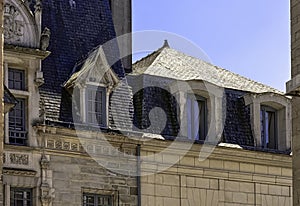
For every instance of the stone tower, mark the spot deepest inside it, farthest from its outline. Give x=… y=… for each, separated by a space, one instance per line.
x=293 y=88
x=121 y=12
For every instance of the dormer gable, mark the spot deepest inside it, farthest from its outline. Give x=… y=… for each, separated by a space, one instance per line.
x=93 y=83
x=94 y=70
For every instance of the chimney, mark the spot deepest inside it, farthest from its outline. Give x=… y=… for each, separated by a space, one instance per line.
x=122 y=18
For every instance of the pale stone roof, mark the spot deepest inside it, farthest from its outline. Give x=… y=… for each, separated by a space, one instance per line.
x=170 y=63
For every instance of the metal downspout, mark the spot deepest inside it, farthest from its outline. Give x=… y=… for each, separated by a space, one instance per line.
x=138 y=177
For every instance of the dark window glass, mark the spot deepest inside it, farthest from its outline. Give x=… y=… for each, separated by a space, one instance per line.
x=16 y=79
x=97 y=200
x=20 y=197
x=96 y=107
x=196 y=117
x=17 y=124
x=268 y=119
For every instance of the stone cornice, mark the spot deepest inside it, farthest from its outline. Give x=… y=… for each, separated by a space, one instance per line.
x=31 y=52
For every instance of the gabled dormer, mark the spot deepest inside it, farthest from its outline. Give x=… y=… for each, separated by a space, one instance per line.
x=91 y=86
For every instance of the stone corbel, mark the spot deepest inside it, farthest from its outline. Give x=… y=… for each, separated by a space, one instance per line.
x=39 y=78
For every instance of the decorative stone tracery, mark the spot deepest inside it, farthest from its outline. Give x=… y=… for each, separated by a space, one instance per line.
x=22 y=27
x=13 y=24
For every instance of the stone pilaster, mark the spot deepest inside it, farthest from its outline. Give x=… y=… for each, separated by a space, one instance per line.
x=1 y=103
x=293 y=87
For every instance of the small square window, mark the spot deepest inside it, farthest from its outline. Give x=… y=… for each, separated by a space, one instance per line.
x=20 y=197
x=196 y=117
x=17 y=124
x=97 y=200
x=268 y=119
x=16 y=79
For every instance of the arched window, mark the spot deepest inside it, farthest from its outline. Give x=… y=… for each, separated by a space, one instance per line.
x=270 y=120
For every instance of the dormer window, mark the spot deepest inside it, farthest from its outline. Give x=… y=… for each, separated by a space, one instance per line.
x=268 y=118
x=96 y=105
x=93 y=83
x=196 y=117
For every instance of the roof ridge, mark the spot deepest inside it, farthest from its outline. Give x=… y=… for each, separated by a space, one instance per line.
x=149 y=55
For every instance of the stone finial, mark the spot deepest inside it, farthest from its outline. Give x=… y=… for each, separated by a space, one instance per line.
x=45 y=38
x=38 y=6
x=166 y=44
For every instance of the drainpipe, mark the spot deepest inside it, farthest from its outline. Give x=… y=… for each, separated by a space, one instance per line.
x=138 y=177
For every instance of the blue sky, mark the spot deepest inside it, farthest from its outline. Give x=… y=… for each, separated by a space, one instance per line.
x=248 y=37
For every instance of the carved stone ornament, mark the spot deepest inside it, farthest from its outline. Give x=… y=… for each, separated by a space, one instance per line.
x=19 y=159
x=13 y=24
x=47 y=195
x=47 y=192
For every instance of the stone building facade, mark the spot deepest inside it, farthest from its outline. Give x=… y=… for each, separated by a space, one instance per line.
x=77 y=129
x=293 y=89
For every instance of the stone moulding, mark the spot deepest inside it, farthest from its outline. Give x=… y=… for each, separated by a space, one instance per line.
x=18 y=172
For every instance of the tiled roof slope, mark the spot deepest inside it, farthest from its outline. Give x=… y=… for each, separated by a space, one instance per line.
x=76 y=29
x=237 y=128
x=167 y=62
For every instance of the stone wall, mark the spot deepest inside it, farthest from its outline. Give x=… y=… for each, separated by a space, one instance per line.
x=78 y=166
x=229 y=177
x=293 y=86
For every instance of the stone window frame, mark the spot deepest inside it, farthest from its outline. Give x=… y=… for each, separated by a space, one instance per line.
x=19 y=94
x=83 y=101
x=282 y=105
x=7 y=192
x=100 y=192
x=23 y=190
x=214 y=100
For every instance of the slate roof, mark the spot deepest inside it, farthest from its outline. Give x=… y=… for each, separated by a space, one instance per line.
x=170 y=63
x=167 y=63
x=76 y=30
x=9 y=97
